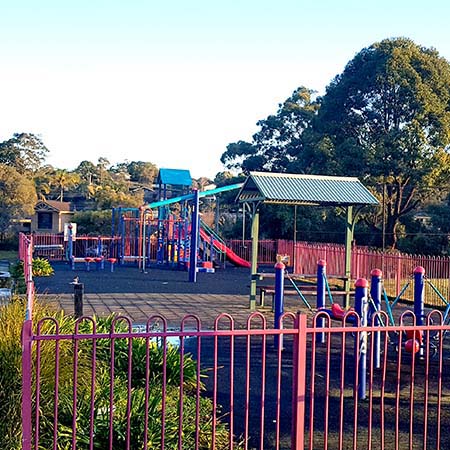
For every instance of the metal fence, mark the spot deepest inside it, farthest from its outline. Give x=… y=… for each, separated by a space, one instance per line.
x=242 y=388
x=54 y=248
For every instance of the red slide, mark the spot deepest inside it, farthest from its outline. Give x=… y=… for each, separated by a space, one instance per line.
x=231 y=256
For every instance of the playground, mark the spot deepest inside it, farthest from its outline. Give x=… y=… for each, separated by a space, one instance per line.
x=402 y=386
x=300 y=370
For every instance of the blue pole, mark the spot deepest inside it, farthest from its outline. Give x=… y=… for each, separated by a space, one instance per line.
x=375 y=293
x=419 y=298
x=70 y=245
x=361 y=303
x=321 y=293
x=279 y=301
x=122 y=240
x=194 y=240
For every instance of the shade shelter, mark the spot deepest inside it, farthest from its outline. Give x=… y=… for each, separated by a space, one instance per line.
x=294 y=189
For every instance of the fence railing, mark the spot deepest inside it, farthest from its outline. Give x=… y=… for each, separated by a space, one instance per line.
x=397 y=268
x=26 y=257
x=97 y=387
x=54 y=248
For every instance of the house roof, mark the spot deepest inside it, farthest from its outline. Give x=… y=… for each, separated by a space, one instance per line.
x=52 y=205
x=295 y=189
x=176 y=177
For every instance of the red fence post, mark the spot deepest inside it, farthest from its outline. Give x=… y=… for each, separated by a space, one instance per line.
x=299 y=384
x=26 y=384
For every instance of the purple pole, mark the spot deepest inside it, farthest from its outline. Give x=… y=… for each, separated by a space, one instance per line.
x=279 y=300
x=320 y=299
x=375 y=293
x=361 y=304
x=419 y=298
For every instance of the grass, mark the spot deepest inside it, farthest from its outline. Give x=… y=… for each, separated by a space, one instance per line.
x=10 y=255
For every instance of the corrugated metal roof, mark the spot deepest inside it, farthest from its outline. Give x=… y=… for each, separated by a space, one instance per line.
x=176 y=177
x=285 y=188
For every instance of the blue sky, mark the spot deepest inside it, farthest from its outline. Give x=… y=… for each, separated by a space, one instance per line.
x=173 y=82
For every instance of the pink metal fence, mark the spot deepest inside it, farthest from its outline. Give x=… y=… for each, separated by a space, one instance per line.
x=26 y=257
x=116 y=388
x=54 y=248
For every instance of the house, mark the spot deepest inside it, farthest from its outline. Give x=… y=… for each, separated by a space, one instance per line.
x=50 y=216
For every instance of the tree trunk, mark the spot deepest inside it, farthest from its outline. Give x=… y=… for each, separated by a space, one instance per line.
x=391 y=231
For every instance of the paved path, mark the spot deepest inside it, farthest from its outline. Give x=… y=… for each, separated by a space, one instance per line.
x=168 y=293
x=140 y=306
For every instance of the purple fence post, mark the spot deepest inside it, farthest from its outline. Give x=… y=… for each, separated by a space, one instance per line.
x=299 y=384
x=26 y=384
x=361 y=345
x=375 y=293
x=278 y=300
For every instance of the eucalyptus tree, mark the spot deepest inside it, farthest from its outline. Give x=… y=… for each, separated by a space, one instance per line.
x=25 y=152
x=279 y=142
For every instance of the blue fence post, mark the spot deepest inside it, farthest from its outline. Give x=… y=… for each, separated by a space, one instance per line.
x=279 y=301
x=361 y=303
x=320 y=299
x=419 y=298
x=375 y=293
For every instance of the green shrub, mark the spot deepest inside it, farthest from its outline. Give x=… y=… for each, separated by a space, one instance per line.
x=11 y=320
x=41 y=268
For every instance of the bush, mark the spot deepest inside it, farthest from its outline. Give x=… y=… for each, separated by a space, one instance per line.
x=11 y=320
x=41 y=268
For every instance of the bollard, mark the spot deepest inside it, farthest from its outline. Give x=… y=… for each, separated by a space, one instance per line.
x=320 y=299
x=361 y=304
x=279 y=300
x=375 y=293
x=78 y=291
x=419 y=298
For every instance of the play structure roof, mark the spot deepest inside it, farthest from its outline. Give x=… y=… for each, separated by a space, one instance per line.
x=175 y=177
x=296 y=189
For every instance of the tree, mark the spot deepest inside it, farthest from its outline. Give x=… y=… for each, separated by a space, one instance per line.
x=64 y=180
x=42 y=181
x=24 y=151
x=142 y=172
x=88 y=178
x=386 y=119
x=280 y=139
x=17 y=196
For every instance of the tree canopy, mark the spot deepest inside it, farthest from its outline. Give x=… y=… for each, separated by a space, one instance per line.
x=24 y=151
x=385 y=119
x=279 y=141
x=17 y=196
